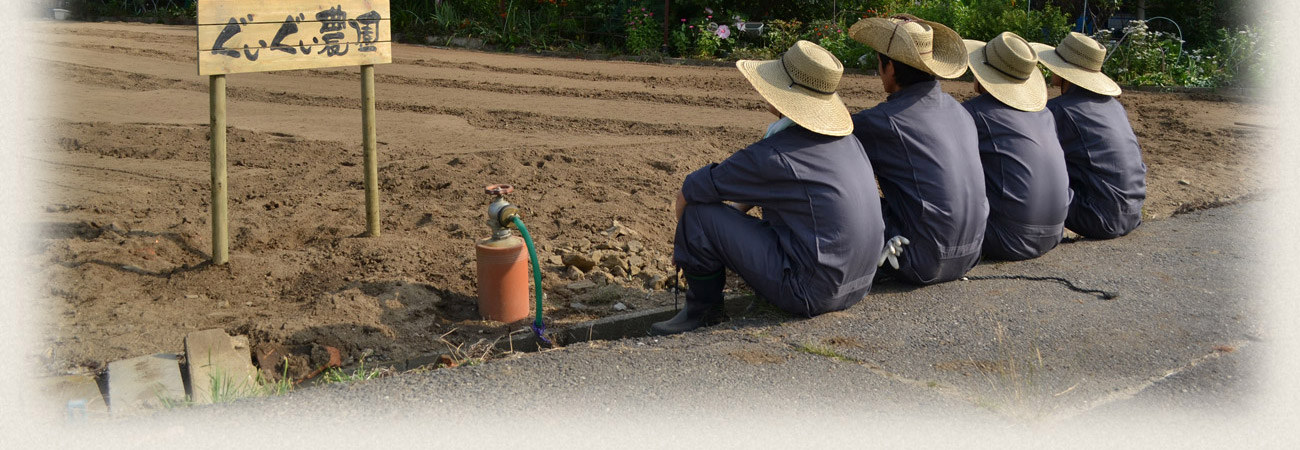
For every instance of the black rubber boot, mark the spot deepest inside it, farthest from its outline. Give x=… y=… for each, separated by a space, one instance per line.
x=703 y=306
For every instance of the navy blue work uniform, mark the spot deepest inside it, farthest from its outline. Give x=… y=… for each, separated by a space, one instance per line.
x=1024 y=179
x=925 y=152
x=1102 y=156
x=816 y=247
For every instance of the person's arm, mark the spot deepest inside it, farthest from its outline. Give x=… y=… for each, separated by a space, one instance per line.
x=1067 y=133
x=745 y=177
x=680 y=204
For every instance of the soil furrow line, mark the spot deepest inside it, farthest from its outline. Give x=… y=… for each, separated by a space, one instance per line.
x=595 y=94
x=109 y=169
x=157 y=53
x=574 y=75
x=729 y=85
x=482 y=118
x=190 y=41
x=751 y=102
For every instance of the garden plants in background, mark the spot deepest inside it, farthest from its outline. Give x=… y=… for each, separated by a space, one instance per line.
x=713 y=37
x=1144 y=57
x=1222 y=48
x=836 y=39
x=643 y=34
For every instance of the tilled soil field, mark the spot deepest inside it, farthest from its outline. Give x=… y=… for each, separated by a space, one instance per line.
x=596 y=150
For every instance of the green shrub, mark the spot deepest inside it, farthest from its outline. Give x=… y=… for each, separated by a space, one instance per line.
x=835 y=39
x=713 y=34
x=168 y=11
x=1139 y=57
x=1142 y=57
x=753 y=52
x=779 y=35
x=1241 y=56
x=682 y=39
x=952 y=13
x=1226 y=56
x=983 y=19
x=643 y=33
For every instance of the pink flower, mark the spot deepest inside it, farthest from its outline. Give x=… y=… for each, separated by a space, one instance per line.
x=723 y=31
x=709 y=10
x=683 y=20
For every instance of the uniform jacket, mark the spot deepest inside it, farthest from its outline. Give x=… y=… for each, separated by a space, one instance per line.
x=1104 y=162
x=813 y=191
x=925 y=152
x=1024 y=178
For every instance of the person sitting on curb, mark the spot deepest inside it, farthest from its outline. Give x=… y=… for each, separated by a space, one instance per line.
x=1024 y=167
x=814 y=249
x=1102 y=155
x=925 y=151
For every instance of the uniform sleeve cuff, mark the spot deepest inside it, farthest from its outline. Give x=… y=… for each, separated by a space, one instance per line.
x=698 y=186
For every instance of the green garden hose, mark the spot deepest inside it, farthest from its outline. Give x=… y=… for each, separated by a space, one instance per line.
x=537 y=271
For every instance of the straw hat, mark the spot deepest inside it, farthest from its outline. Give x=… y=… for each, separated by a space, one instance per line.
x=1078 y=59
x=925 y=45
x=801 y=85
x=1008 y=69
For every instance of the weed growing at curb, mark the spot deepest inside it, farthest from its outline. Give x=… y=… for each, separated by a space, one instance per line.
x=336 y=375
x=223 y=388
x=1015 y=380
x=458 y=356
x=824 y=350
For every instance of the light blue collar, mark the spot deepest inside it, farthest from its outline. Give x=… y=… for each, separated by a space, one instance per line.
x=777 y=126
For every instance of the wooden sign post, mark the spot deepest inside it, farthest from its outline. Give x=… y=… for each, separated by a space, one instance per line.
x=240 y=36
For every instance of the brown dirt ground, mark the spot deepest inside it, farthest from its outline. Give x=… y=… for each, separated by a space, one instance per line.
x=589 y=144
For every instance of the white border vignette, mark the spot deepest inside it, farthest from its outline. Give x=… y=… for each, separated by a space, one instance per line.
x=21 y=95
x=1279 y=268
x=20 y=103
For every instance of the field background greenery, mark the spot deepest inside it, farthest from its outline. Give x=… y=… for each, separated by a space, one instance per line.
x=1207 y=43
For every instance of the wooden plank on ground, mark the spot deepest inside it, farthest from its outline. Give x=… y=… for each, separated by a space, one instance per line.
x=71 y=396
x=145 y=382
x=239 y=36
x=220 y=365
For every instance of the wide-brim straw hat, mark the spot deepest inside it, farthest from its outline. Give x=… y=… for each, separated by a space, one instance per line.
x=927 y=46
x=801 y=84
x=1007 y=68
x=1078 y=59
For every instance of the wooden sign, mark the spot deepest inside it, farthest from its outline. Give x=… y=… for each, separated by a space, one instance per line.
x=238 y=36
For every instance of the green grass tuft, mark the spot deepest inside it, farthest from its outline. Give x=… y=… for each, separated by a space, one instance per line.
x=825 y=350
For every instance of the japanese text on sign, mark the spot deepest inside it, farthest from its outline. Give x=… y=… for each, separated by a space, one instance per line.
x=293 y=36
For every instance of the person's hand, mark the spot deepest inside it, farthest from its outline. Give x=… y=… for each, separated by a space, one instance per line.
x=893 y=249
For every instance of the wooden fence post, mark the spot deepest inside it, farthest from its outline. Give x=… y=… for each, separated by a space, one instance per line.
x=371 y=154
x=217 y=128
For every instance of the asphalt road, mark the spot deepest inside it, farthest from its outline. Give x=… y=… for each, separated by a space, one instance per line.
x=1177 y=357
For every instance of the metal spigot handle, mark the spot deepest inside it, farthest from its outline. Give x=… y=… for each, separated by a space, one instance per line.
x=499 y=189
